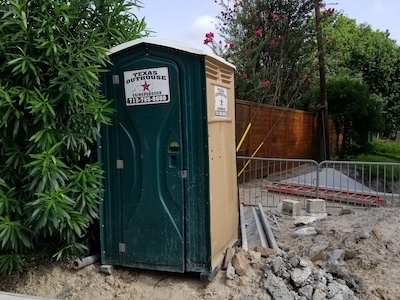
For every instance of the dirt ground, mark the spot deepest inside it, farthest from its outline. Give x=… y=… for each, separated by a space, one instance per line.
x=373 y=256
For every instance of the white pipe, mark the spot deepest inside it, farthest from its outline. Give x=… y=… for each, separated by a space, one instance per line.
x=83 y=262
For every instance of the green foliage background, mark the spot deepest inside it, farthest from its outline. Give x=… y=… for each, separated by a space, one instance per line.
x=354 y=110
x=356 y=50
x=273 y=45
x=51 y=56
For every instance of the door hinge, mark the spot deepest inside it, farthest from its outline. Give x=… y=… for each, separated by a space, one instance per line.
x=122 y=247
x=120 y=164
x=115 y=79
x=184 y=173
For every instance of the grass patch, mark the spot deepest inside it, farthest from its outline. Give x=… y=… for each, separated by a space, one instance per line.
x=386 y=148
x=377 y=158
x=379 y=171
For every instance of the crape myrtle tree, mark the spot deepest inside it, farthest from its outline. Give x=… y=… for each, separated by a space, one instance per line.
x=271 y=44
x=51 y=55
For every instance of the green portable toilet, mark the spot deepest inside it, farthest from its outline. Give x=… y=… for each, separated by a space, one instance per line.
x=170 y=188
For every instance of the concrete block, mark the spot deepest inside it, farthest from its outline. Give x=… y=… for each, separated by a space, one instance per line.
x=316 y=206
x=291 y=207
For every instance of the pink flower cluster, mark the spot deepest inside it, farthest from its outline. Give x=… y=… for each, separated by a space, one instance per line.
x=230 y=45
x=209 y=38
x=328 y=12
x=266 y=83
x=275 y=17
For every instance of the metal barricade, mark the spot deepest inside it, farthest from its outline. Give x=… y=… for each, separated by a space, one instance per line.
x=270 y=180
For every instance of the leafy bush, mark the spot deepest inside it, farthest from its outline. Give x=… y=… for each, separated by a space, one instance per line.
x=354 y=112
x=51 y=56
x=386 y=147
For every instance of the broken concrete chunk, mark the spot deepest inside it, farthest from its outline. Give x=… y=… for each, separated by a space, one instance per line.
x=293 y=260
x=320 y=278
x=265 y=252
x=253 y=255
x=336 y=255
x=319 y=295
x=355 y=282
x=239 y=264
x=299 y=276
x=285 y=274
x=305 y=232
x=307 y=281
x=229 y=253
x=230 y=272
x=304 y=263
x=277 y=288
x=306 y=291
x=339 y=291
x=322 y=286
x=277 y=264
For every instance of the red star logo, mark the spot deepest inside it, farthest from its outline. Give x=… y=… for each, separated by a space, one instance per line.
x=145 y=86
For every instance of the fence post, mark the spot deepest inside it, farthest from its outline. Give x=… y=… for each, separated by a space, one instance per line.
x=317 y=180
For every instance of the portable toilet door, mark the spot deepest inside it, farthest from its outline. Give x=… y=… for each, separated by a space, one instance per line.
x=155 y=211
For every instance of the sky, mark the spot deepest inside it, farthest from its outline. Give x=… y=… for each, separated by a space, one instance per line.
x=189 y=20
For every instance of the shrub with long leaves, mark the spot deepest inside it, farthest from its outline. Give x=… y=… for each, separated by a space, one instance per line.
x=51 y=56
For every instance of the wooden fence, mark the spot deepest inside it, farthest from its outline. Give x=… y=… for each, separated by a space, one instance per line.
x=286 y=132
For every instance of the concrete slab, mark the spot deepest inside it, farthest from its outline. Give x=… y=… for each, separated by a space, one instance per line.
x=331 y=179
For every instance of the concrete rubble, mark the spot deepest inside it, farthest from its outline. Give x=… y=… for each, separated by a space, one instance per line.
x=290 y=277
